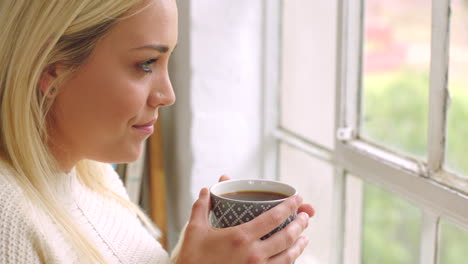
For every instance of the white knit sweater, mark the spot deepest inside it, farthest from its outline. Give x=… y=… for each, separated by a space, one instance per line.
x=117 y=233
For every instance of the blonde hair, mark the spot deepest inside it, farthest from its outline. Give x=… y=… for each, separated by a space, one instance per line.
x=34 y=36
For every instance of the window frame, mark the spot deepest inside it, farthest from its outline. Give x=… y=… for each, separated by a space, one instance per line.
x=412 y=178
x=424 y=184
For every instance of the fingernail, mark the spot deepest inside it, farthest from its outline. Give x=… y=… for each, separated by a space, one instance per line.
x=305 y=216
x=202 y=191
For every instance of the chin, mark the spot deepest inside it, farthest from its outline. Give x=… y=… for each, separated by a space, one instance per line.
x=131 y=157
x=126 y=155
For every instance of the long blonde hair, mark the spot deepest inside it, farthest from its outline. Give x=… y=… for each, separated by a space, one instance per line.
x=34 y=36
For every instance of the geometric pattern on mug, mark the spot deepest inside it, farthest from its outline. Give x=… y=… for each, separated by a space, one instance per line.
x=231 y=213
x=228 y=213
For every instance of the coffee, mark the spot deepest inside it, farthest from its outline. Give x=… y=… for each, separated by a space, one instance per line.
x=254 y=196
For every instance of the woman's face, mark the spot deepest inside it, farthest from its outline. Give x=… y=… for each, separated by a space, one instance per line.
x=108 y=108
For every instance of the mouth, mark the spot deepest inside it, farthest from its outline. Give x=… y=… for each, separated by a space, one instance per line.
x=146 y=128
x=150 y=123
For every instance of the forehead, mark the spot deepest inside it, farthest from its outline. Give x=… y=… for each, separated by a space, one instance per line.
x=153 y=22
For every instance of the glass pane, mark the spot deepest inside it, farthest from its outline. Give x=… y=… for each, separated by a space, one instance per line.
x=453 y=244
x=308 y=69
x=458 y=84
x=314 y=181
x=396 y=74
x=392 y=228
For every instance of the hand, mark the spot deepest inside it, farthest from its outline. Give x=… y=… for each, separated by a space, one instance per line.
x=241 y=244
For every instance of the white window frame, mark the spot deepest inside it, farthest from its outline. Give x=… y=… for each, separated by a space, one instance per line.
x=425 y=184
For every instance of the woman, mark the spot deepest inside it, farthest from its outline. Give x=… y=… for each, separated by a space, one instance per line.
x=81 y=83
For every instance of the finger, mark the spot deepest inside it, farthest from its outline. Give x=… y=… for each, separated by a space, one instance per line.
x=291 y=254
x=287 y=237
x=201 y=208
x=273 y=218
x=224 y=178
x=306 y=208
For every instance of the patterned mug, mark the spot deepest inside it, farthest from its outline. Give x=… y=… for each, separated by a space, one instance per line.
x=228 y=210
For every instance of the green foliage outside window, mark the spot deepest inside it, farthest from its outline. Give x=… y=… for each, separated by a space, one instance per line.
x=395 y=107
x=454 y=244
x=396 y=110
x=391 y=229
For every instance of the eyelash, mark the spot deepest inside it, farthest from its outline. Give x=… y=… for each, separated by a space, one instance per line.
x=146 y=65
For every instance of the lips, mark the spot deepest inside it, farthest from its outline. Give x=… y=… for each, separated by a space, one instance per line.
x=146 y=128
x=150 y=123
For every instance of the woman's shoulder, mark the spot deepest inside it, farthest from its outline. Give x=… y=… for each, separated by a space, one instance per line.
x=10 y=192
x=15 y=208
x=17 y=233
x=13 y=201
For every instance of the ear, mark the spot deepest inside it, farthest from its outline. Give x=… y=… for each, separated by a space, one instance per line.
x=48 y=76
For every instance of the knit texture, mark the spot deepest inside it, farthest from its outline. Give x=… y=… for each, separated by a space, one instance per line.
x=115 y=231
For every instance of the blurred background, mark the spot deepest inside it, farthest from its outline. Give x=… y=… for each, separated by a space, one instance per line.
x=259 y=95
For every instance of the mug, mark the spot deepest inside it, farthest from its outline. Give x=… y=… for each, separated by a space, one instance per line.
x=235 y=202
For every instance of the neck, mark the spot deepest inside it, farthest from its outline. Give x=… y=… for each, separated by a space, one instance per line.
x=61 y=149
x=65 y=159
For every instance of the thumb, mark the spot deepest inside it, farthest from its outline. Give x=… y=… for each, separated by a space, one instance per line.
x=201 y=208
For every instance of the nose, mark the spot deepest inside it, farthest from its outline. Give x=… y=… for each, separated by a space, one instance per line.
x=162 y=93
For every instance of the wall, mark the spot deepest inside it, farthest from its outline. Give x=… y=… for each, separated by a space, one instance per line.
x=215 y=126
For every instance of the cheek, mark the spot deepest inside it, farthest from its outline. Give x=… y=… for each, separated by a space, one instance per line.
x=124 y=100
x=101 y=104
x=118 y=95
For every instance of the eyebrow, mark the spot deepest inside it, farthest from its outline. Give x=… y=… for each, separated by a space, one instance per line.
x=160 y=48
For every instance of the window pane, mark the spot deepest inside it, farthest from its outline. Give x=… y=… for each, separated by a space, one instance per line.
x=453 y=244
x=308 y=69
x=392 y=228
x=314 y=181
x=396 y=74
x=458 y=84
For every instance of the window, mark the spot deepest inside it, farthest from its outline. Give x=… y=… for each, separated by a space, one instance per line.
x=372 y=125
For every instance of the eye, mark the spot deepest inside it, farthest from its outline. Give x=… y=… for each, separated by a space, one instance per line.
x=146 y=65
